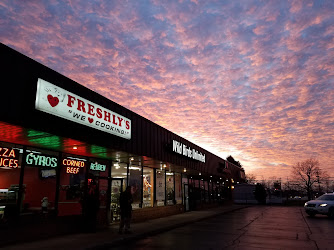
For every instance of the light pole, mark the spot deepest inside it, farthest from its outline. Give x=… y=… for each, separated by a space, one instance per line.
x=318 y=182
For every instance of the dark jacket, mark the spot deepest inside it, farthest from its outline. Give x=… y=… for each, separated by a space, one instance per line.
x=125 y=203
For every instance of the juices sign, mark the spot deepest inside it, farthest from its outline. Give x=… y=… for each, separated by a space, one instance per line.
x=60 y=102
x=8 y=158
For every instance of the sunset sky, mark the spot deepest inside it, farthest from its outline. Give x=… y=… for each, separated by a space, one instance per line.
x=251 y=79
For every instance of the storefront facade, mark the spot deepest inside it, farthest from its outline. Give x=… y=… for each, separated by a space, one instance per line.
x=57 y=138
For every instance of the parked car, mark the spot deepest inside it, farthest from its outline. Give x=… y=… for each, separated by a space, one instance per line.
x=324 y=204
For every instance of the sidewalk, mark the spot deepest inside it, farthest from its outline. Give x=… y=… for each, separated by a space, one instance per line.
x=110 y=236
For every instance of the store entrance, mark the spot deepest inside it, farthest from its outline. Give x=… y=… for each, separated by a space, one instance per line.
x=116 y=189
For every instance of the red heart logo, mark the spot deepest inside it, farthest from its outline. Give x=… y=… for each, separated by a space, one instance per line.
x=90 y=119
x=53 y=100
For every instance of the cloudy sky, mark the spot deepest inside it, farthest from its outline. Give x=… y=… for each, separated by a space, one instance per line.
x=252 y=79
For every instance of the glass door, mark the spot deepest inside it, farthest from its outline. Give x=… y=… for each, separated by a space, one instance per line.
x=186 y=198
x=116 y=189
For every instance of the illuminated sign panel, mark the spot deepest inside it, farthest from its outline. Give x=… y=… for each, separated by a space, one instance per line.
x=8 y=157
x=60 y=102
x=41 y=160
x=187 y=151
x=73 y=165
x=98 y=167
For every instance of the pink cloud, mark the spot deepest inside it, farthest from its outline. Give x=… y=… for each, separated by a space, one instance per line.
x=252 y=81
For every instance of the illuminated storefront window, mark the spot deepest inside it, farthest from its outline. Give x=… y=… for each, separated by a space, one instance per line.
x=206 y=191
x=39 y=180
x=178 y=188
x=10 y=167
x=118 y=184
x=135 y=182
x=214 y=191
x=184 y=179
x=72 y=180
x=196 y=183
x=160 y=187
x=196 y=196
x=119 y=171
x=98 y=176
x=148 y=187
x=170 y=199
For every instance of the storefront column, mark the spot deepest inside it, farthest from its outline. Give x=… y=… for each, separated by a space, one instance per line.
x=165 y=188
x=108 y=204
x=127 y=175
x=174 y=200
x=21 y=188
x=142 y=187
x=154 y=188
x=60 y=155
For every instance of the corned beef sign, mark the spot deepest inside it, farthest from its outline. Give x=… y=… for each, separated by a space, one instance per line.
x=60 y=102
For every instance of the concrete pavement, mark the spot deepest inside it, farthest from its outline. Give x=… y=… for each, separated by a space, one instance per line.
x=110 y=237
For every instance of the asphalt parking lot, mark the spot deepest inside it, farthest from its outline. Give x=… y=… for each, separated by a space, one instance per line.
x=257 y=227
x=226 y=227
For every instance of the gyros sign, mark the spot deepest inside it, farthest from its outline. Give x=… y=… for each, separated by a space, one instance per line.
x=60 y=102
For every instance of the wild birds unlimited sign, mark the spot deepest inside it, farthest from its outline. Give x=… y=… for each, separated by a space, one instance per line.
x=184 y=150
x=60 y=102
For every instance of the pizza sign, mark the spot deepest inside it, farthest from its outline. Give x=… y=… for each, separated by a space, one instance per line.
x=62 y=103
x=9 y=158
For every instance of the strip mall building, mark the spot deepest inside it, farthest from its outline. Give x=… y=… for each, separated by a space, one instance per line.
x=57 y=137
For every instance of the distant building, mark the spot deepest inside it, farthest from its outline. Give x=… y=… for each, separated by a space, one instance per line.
x=244 y=194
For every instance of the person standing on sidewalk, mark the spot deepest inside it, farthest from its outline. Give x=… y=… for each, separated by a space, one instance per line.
x=126 y=210
x=92 y=207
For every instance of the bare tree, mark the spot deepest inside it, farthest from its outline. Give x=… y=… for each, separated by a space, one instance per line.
x=250 y=178
x=307 y=173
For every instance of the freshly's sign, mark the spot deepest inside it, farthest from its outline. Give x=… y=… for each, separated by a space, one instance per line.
x=60 y=102
x=182 y=149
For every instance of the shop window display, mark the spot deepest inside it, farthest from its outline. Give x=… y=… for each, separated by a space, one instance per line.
x=118 y=184
x=39 y=180
x=119 y=171
x=72 y=179
x=202 y=190
x=10 y=168
x=148 y=187
x=196 y=192
x=178 y=188
x=206 y=191
x=160 y=187
x=170 y=198
x=185 y=179
x=213 y=191
x=135 y=182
